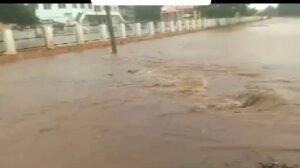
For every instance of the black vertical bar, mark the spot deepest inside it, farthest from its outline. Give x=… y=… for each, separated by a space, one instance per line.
x=111 y=31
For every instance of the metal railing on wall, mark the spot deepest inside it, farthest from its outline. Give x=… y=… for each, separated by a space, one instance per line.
x=47 y=36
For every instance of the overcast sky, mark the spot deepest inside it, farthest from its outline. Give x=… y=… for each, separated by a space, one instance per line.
x=262 y=5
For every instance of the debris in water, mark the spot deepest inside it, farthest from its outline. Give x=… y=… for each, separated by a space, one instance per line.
x=226 y=104
x=276 y=164
x=261 y=99
x=258 y=96
x=252 y=75
x=133 y=71
x=164 y=85
x=197 y=108
x=192 y=86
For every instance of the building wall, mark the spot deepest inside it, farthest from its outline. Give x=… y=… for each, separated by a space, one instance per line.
x=169 y=13
x=69 y=13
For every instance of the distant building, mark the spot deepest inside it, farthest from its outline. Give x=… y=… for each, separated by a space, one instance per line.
x=169 y=13
x=85 y=14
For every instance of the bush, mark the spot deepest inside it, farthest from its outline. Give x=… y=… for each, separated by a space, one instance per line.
x=17 y=14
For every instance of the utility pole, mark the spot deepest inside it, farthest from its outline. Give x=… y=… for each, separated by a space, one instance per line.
x=110 y=29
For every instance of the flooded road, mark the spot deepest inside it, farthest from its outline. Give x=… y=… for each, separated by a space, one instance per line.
x=218 y=98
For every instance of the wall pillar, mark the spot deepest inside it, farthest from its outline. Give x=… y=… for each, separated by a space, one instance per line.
x=103 y=31
x=151 y=28
x=172 y=27
x=48 y=34
x=138 y=31
x=194 y=24
x=123 y=30
x=162 y=27
x=10 y=44
x=179 y=25
x=187 y=24
x=79 y=34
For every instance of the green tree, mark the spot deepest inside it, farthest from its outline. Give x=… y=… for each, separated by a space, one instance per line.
x=146 y=13
x=270 y=11
x=32 y=8
x=252 y=11
x=225 y=10
x=289 y=9
x=17 y=14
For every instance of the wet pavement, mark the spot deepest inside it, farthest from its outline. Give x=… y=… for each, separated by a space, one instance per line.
x=165 y=103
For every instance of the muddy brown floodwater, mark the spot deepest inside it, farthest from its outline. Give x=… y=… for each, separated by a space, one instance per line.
x=218 y=98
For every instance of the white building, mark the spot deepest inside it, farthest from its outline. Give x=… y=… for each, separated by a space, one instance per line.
x=81 y=13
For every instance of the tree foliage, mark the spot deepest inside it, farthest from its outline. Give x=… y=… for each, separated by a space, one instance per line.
x=225 y=10
x=289 y=9
x=146 y=13
x=270 y=11
x=17 y=14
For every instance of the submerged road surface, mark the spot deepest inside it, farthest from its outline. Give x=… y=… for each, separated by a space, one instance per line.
x=217 y=98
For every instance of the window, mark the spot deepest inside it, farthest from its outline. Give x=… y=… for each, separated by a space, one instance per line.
x=62 y=5
x=74 y=5
x=114 y=8
x=81 y=5
x=97 y=8
x=90 y=6
x=47 y=6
